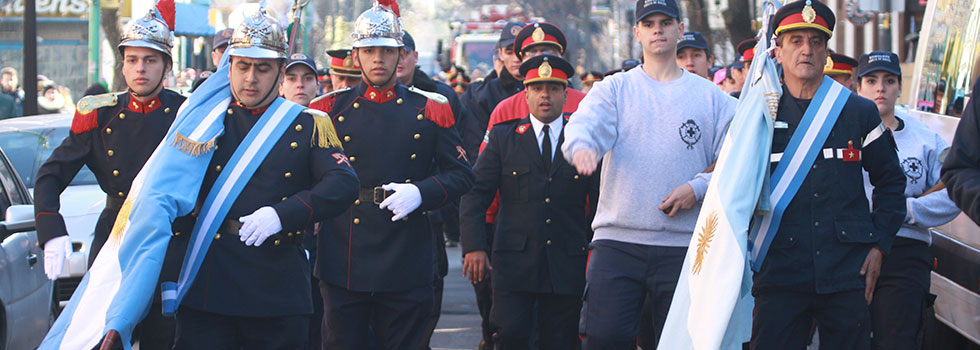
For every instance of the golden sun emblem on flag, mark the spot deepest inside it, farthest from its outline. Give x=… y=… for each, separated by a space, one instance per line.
x=704 y=241
x=116 y=234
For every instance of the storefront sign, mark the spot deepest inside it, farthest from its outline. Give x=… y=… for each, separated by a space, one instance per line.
x=48 y=8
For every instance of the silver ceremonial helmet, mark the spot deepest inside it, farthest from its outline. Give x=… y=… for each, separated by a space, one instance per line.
x=149 y=32
x=378 y=26
x=258 y=36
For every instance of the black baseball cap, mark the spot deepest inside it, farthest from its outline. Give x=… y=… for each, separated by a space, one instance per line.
x=509 y=33
x=408 y=41
x=303 y=59
x=693 y=40
x=645 y=8
x=879 y=61
x=221 y=38
x=630 y=63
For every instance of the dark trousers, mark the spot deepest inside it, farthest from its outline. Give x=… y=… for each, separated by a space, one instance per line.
x=450 y=225
x=782 y=320
x=209 y=331
x=645 y=336
x=901 y=296
x=484 y=296
x=156 y=332
x=396 y=319
x=440 y=267
x=316 y=319
x=433 y=321
x=618 y=276
x=513 y=315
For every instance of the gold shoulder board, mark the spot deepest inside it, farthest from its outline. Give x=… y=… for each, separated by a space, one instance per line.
x=430 y=95
x=90 y=103
x=328 y=94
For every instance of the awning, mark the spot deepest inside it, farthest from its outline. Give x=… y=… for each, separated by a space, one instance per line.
x=192 y=20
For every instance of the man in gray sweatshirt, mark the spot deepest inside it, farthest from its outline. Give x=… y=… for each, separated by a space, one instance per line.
x=658 y=128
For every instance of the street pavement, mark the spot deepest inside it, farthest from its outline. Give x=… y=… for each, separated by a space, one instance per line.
x=459 y=324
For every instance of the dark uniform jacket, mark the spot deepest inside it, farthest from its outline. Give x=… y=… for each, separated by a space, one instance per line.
x=542 y=230
x=398 y=135
x=114 y=141
x=466 y=124
x=466 y=127
x=304 y=181
x=482 y=98
x=827 y=229
x=961 y=170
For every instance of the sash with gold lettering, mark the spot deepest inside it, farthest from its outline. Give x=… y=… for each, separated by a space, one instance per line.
x=795 y=163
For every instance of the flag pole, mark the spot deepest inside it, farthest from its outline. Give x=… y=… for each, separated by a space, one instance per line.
x=298 y=6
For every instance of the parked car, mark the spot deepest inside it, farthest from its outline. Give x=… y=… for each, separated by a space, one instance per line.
x=29 y=142
x=27 y=304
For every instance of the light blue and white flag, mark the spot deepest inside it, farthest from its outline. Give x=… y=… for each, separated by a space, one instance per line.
x=712 y=305
x=117 y=291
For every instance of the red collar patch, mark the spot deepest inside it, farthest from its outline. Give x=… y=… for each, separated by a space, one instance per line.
x=143 y=108
x=376 y=96
x=521 y=129
x=254 y=111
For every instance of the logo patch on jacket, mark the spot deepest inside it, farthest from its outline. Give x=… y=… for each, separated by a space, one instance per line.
x=850 y=154
x=341 y=159
x=521 y=129
x=913 y=169
x=690 y=133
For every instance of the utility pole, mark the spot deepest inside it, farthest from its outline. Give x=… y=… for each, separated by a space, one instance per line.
x=885 y=26
x=30 y=58
x=94 y=20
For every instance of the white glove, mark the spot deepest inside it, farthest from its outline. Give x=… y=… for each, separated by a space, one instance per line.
x=55 y=252
x=258 y=226
x=404 y=201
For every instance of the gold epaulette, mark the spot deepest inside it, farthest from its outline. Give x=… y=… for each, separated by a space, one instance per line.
x=90 y=103
x=324 y=134
x=194 y=148
x=430 y=95
x=329 y=94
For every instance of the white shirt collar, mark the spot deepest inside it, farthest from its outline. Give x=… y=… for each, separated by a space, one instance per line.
x=554 y=132
x=554 y=126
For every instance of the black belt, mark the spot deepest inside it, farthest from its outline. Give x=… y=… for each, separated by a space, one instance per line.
x=114 y=203
x=231 y=227
x=374 y=195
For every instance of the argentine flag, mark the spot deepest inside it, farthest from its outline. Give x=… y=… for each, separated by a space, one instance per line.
x=712 y=305
x=117 y=291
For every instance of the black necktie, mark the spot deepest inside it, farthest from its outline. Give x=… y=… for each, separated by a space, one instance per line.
x=546 y=148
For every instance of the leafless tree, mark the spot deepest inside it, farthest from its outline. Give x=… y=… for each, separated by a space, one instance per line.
x=738 y=20
x=697 y=17
x=111 y=28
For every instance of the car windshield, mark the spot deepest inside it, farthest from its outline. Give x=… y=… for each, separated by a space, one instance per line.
x=28 y=149
x=479 y=55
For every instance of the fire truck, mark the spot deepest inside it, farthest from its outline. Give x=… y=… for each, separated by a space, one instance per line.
x=472 y=41
x=945 y=66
